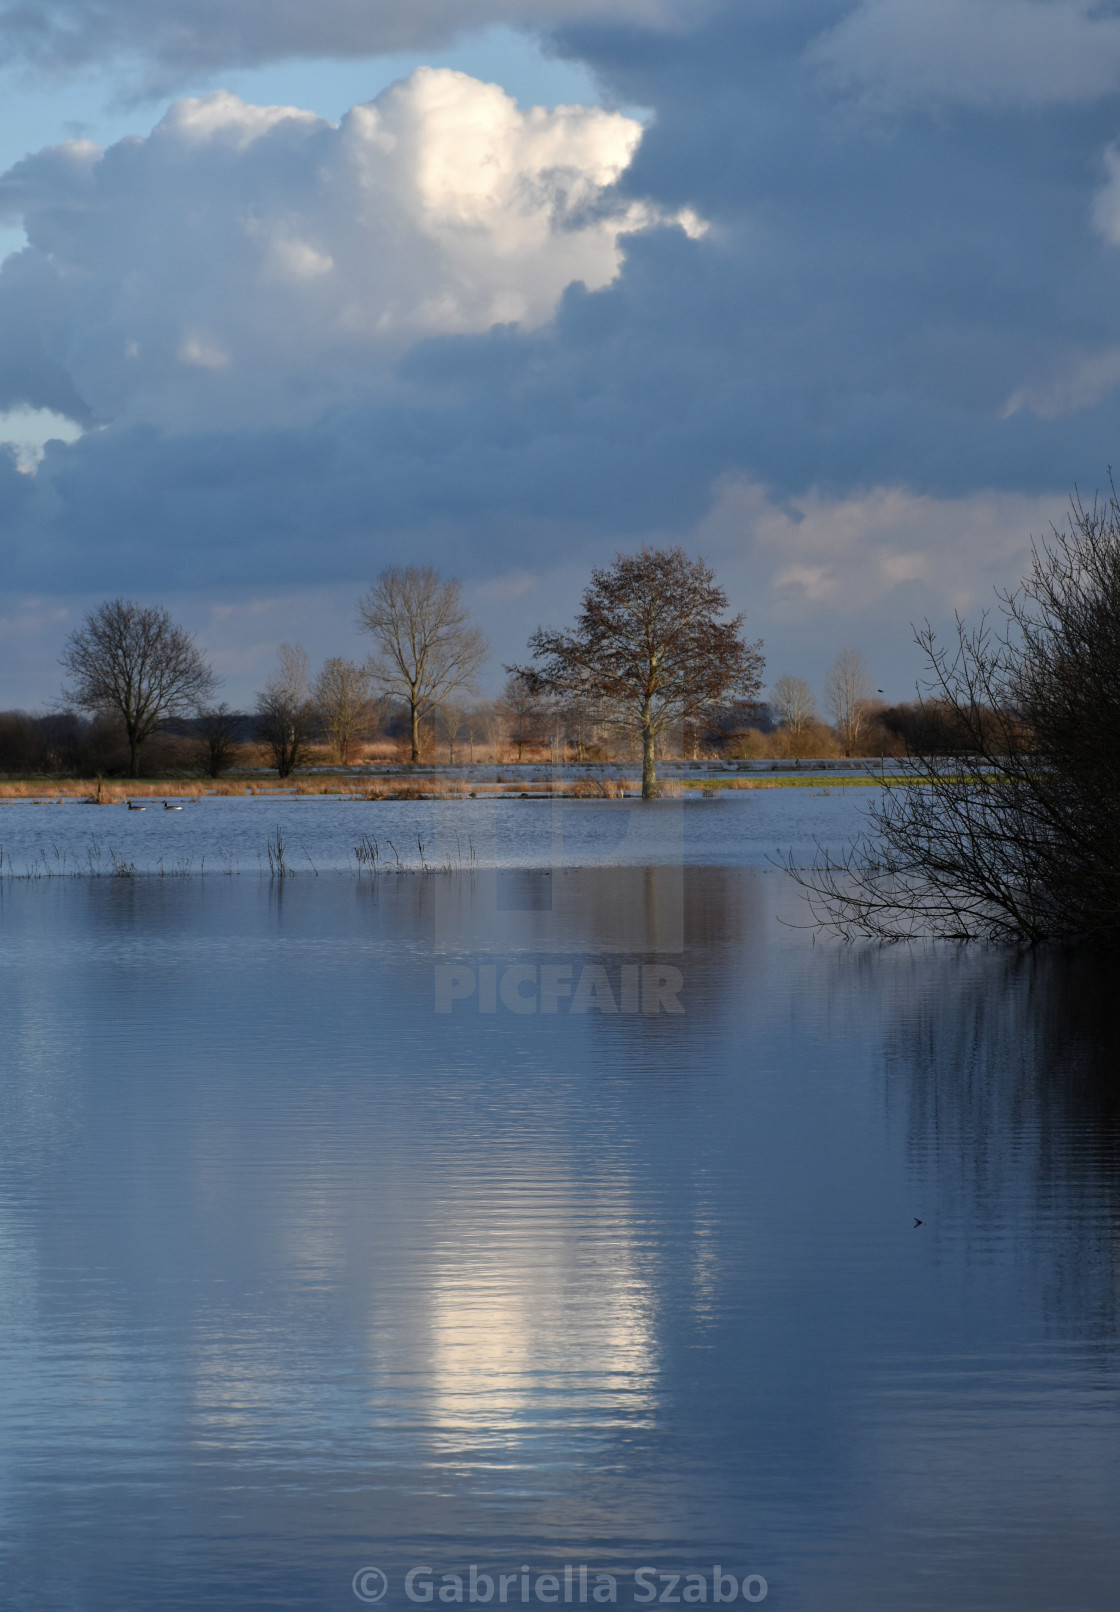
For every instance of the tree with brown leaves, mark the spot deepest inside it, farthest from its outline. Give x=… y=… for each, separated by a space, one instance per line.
x=343 y=698
x=648 y=650
x=524 y=713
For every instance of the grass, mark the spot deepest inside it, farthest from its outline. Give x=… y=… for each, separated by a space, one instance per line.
x=829 y=780
x=405 y=787
x=99 y=791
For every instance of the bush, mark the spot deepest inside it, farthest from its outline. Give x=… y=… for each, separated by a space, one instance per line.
x=1011 y=827
x=22 y=747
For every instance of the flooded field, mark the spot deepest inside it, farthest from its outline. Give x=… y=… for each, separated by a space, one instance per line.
x=574 y=1215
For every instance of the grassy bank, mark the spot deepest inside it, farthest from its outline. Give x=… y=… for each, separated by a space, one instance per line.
x=101 y=792
x=117 y=792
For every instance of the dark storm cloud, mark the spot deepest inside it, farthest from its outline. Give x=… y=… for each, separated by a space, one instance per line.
x=908 y=282
x=172 y=39
x=920 y=267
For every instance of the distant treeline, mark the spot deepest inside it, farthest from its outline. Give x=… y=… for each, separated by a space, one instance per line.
x=67 y=744
x=651 y=668
x=911 y=727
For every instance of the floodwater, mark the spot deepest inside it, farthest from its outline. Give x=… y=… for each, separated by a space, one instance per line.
x=218 y=834
x=549 y=1217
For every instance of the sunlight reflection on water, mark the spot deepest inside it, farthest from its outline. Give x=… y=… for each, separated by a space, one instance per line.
x=301 y=1274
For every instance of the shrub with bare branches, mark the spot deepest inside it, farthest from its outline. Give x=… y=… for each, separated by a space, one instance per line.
x=285 y=712
x=343 y=698
x=1012 y=832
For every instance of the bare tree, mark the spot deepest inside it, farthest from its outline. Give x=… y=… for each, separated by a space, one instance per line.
x=450 y=720
x=426 y=649
x=648 y=649
x=219 y=727
x=131 y=661
x=285 y=712
x=523 y=711
x=343 y=699
x=1015 y=835
x=794 y=703
x=472 y=726
x=481 y=725
x=847 y=691
x=578 y=717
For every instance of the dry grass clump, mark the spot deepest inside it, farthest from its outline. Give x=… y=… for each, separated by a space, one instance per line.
x=24 y=791
x=590 y=789
x=814 y=739
x=415 y=789
x=602 y=788
x=426 y=791
x=180 y=791
x=97 y=792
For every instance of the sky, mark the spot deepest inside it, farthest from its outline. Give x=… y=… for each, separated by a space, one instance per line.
x=823 y=290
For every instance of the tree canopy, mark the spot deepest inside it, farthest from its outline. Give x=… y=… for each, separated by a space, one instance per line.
x=285 y=711
x=132 y=661
x=649 y=649
x=426 y=648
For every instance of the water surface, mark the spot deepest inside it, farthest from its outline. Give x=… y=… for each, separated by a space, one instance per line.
x=303 y=1276
x=217 y=835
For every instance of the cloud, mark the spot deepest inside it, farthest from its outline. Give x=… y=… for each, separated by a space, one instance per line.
x=253 y=264
x=1079 y=387
x=302 y=352
x=987 y=54
x=818 y=572
x=1106 y=204
x=850 y=556
x=813 y=573
x=174 y=39
x=26 y=432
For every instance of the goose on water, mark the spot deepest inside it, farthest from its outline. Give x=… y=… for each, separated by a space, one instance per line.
x=134 y=806
x=169 y=806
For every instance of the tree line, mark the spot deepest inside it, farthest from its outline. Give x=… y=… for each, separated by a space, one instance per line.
x=653 y=664
x=1005 y=825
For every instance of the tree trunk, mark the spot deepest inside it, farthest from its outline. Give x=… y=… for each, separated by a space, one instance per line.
x=133 y=757
x=649 y=772
x=415 y=716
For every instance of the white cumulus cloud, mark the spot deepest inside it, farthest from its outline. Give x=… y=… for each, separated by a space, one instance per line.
x=249 y=264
